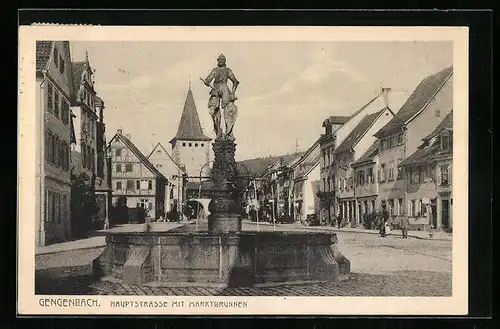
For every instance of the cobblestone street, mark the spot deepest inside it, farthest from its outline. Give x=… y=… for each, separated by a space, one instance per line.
x=389 y=266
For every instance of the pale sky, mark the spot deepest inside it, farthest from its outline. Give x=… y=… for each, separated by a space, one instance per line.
x=286 y=88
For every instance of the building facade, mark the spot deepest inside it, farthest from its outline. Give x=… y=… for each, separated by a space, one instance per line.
x=366 y=182
x=136 y=178
x=190 y=146
x=350 y=150
x=88 y=153
x=53 y=96
x=174 y=172
x=337 y=130
x=428 y=179
x=306 y=189
x=429 y=103
x=327 y=143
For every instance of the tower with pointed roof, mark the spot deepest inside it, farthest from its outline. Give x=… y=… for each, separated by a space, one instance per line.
x=190 y=146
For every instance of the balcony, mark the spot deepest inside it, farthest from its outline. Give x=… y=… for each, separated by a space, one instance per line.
x=367 y=190
x=325 y=194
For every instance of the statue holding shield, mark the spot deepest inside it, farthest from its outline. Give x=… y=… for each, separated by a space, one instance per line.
x=222 y=98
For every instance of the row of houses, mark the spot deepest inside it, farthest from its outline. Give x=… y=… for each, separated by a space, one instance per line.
x=381 y=157
x=72 y=168
x=82 y=176
x=162 y=181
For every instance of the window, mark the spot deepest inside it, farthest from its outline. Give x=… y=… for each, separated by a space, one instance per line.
x=128 y=167
x=195 y=144
x=202 y=144
x=56 y=104
x=118 y=152
x=392 y=210
x=369 y=175
x=329 y=187
x=382 y=173
x=384 y=143
x=183 y=144
x=324 y=157
x=56 y=57
x=57 y=152
x=329 y=159
x=445 y=141
x=416 y=175
x=138 y=185
x=391 y=171
x=423 y=209
x=118 y=185
x=190 y=144
x=324 y=184
x=61 y=64
x=400 y=138
x=47 y=145
x=92 y=158
x=64 y=155
x=130 y=184
x=118 y=167
x=400 y=207
x=361 y=177
x=65 y=112
x=444 y=175
x=421 y=172
x=50 y=92
x=150 y=185
x=413 y=208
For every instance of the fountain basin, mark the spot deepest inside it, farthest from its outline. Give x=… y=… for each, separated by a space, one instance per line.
x=187 y=256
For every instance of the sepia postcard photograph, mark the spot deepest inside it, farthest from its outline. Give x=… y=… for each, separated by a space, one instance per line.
x=242 y=170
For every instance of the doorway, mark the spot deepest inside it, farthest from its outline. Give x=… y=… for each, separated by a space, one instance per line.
x=445 y=214
x=434 y=213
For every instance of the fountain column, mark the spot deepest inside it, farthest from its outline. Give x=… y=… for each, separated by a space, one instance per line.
x=225 y=207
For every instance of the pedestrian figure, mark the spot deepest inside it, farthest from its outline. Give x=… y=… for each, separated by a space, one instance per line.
x=385 y=218
x=404 y=226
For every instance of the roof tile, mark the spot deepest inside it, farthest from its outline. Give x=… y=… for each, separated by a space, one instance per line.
x=417 y=100
x=43 y=50
x=357 y=133
x=189 y=126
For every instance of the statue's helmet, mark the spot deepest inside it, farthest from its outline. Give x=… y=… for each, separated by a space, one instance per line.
x=221 y=57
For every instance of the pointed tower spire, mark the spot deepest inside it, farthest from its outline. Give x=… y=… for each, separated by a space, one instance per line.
x=190 y=126
x=86 y=55
x=190 y=82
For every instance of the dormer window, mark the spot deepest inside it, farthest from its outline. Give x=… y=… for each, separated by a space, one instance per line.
x=61 y=64
x=445 y=142
x=328 y=129
x=56 y=57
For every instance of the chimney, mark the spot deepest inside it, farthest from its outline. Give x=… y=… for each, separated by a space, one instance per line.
x=385 y=94
x=118 y=131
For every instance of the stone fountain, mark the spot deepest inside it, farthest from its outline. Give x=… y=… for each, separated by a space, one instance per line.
x=220 y=252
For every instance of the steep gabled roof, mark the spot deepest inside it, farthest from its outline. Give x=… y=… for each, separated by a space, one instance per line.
x=307 y=153
x=447 y=123
x=417 y=101
x=168 y=154
x=190 y=126
x=43 y=52
x=312 y=164
x=358 y=132
x=131 y=146
x=77 y=68
x=369 y=155
x=258 y=166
